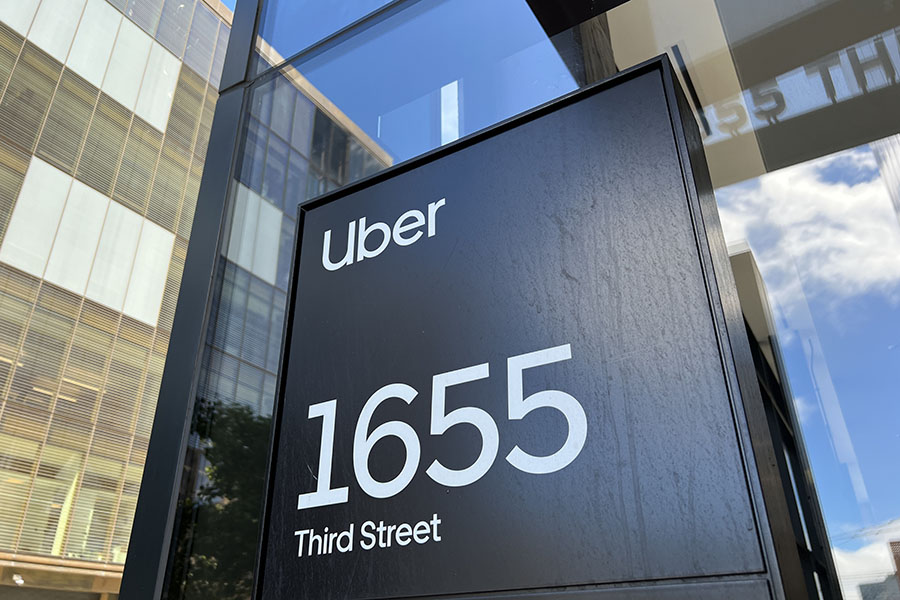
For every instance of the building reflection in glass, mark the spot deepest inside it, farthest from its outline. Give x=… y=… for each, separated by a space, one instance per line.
x=296 y=145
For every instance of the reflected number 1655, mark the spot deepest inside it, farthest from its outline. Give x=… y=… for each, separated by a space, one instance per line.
x=519 y=406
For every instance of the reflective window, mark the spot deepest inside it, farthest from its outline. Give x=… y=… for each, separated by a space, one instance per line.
x=146 y=13
x=94 y=41
x=126 y=67
x=201 y=40
x=19 y=15
x=174 y=23
x=288 y=26
x=408 y=104
x=158 y=87
x=241 y=358
x=77 y=237
x=54 y=26
x=28 y=238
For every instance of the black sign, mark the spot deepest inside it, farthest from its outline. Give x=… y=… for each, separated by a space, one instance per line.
x=505 y=370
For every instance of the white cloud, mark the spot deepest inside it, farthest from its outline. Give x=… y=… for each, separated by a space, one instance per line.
x=860 y=158
x=870 y=563
x=805 y=409
x=825 y=228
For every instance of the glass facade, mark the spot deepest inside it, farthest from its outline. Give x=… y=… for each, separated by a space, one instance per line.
x=105 y=116
x=295 y=144
x=106 y=109
x=795 y=102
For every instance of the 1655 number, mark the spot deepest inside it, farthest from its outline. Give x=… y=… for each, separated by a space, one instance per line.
x=518 y=407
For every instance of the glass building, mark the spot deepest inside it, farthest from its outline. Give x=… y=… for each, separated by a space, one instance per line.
x=105 y=120
x=102 y=338
x=104 y=123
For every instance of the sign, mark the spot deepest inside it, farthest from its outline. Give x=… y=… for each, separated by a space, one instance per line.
x=840 y=76
x=504 y=371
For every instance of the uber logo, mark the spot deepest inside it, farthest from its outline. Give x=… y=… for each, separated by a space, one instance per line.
x=406 y=231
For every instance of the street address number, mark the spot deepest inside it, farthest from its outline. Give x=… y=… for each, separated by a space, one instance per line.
x=518 y=405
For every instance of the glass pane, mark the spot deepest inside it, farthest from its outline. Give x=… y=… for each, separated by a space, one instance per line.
x=174 y=23
x=94 y=41
x=160 y=78
x=126 y=66
x=29 y=234
x=77 y=237
x=145 y=13
x=54 y=26
x=115 y=253
x=829 y=329
x=218 y=62
x=420 y=95
x=19 y=15
x=241 y=359
x=279 y=18
x=202 y=40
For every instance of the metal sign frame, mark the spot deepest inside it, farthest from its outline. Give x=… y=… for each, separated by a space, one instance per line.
x=782 y=575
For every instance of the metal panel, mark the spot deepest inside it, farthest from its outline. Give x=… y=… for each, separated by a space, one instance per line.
x=241 y=42
x=694 y=590
x=579 y=223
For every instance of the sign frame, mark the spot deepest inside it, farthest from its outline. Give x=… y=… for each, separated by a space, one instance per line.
x=781 y=573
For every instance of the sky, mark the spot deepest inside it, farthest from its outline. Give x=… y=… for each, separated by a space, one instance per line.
x=388 y=79
x=827 y=242
x=824 y=233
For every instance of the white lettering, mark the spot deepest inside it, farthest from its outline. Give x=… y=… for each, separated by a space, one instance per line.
x=369 y=542
x=372 y=536
x=301 y=533
x=406 y=231
x=345 y=544
x=432 y=213
x=403 y=532
x=362 y=252
x=435 y=521
x=400 y=227
x=421 y=529
x=326 y=249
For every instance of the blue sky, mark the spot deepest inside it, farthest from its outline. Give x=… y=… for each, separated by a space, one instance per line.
x=827 y=241
x=388 y=78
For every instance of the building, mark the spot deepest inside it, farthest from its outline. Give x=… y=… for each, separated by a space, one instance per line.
x=886 y=151
x=884 y=590
x=105 y=113
x=105 y=117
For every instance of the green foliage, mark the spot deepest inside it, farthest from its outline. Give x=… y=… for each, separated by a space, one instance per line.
x=217 y=535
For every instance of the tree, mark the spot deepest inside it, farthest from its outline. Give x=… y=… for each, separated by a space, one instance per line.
x=219 y=523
